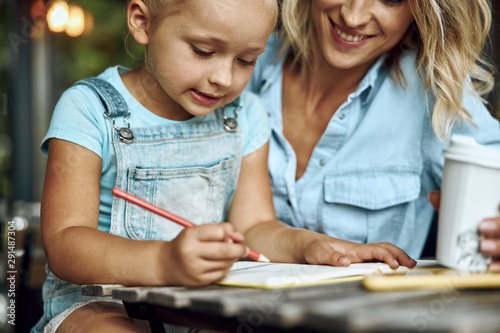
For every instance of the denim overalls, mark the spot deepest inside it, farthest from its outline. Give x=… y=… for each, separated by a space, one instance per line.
x=188 y=168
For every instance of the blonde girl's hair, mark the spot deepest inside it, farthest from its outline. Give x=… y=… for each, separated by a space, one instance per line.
x=449 y=37
x=166 y=7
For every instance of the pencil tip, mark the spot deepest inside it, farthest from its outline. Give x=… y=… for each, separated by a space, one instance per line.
x=263 y=258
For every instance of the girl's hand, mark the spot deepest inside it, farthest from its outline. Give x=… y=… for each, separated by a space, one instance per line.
x=489 y=228
x=202 y=255
x=326 y=250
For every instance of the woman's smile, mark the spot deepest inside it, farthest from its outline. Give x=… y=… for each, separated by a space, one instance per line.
x=352 y=34
x=346 y=37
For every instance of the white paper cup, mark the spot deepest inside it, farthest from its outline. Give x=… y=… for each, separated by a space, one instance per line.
x=470 y=192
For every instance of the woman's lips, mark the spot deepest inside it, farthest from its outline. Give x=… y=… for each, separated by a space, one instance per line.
x=348 y=38
x=205 y=99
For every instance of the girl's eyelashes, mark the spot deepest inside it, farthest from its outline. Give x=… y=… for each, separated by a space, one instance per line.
x=247 y=62
x=203 y=53
x=200 y=52
x=393 y=2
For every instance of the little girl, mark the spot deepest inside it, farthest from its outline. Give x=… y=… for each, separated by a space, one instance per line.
x=179 y=133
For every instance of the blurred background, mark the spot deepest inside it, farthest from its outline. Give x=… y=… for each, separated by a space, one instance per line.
x=47 y=46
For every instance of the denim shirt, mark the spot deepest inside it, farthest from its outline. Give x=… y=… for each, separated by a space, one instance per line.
x=369 y=175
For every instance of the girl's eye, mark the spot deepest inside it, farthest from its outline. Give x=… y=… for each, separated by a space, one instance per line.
x=203 y=53
x=246 y=62
x=200 y=52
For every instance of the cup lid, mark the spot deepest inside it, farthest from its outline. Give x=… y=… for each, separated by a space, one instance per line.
x=466 y=149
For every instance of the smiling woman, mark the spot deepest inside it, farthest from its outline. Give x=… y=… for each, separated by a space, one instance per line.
x=440 y=33
x=362 y=97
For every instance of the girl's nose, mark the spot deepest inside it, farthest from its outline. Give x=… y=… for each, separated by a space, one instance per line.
x=356 y=13
x=222 y=74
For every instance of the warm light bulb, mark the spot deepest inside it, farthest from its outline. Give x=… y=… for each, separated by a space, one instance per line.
x=89 y=23
x=57 y=16
x=76 y=22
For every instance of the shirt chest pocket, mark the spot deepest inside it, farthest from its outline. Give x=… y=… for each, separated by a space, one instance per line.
x=370 y=205
x=196 y=193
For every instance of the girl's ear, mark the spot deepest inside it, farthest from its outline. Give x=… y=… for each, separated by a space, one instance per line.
x=138 y=17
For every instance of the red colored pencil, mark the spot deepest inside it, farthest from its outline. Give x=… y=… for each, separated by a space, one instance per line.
x=172 y=217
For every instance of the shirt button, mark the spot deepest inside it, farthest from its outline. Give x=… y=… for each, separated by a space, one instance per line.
x=322 y=162
x=341 y=116
x=289 y=202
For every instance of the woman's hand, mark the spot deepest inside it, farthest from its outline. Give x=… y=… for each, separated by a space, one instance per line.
x=489 y=228
x=325 y=250
x=490 y=245
x=202 y=255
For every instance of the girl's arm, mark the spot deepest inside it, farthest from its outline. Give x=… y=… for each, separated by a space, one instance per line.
x=252 y=213
x=80 y=253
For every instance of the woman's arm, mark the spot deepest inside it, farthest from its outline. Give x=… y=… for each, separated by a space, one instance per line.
x=252 y=214
x=80 y=253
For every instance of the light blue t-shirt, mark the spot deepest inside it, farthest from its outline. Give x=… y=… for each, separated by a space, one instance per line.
x=369 y=175
x=78 y=118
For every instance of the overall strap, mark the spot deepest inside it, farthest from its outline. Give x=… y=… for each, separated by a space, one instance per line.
x=230 y=123
x=112 y=100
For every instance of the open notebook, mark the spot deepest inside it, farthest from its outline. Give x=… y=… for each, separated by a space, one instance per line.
x=277 y=275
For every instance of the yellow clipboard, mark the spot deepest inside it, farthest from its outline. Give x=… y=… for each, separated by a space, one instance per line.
x=434 y=278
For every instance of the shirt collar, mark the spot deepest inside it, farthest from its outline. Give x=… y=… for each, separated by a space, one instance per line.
x=367 y=88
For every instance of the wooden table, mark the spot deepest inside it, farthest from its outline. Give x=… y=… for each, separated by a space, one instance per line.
x=339 y=307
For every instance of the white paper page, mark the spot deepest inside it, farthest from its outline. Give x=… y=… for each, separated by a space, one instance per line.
x=273 y=275
x=248 y=273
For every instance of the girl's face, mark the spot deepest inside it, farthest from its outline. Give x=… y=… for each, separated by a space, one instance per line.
x=354 y=33
x=203 y=55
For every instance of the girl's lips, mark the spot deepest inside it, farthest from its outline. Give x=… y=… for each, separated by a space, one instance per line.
x=205 y=99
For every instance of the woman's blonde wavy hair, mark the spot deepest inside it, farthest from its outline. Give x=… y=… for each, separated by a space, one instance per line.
x=449 y=37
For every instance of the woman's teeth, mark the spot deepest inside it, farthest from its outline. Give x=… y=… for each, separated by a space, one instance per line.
x=349 y=38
